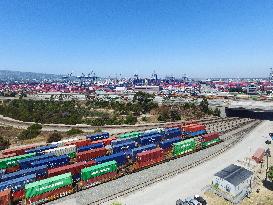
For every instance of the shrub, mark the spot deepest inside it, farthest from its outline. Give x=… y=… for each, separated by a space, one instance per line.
x=4 y=143
x=130 y=119
x=54 y=137
x=74 y=131
x=31 y=132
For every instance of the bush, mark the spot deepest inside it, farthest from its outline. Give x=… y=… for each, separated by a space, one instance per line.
x=270 y=174
x=54 y=137
x=130 y=119
x=74 y=131
x=31 y=132
x=4 y=143
x=174 y=115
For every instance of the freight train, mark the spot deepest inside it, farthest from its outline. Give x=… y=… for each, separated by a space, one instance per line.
x=38 y=174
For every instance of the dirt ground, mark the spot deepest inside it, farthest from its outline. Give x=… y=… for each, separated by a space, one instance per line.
x=263 y=197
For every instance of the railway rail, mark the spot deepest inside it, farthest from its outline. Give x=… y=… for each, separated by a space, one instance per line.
x=232 y=134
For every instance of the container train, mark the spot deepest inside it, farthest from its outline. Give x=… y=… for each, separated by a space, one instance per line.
x=38 y=174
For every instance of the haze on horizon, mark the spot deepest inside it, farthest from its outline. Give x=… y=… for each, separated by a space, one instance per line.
x=199 y=38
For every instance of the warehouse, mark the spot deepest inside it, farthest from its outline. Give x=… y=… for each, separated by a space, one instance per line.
x=233 y=180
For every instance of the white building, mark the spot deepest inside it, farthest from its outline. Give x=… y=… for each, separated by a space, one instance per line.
x=252 y=89
x=233 y=180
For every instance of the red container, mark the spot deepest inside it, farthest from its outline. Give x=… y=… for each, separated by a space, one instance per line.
x=102 y=178
x=209 y=137
x=5 y=197
x=12 y=169
x=49 y=196
x=105 y=141
x=258 y=155
x=7 y=155
x=80 y=143
x=149 y=157
x=193 y=127
x=91 y=154
x=18 y=150
x=18 y=195
x=73 y=168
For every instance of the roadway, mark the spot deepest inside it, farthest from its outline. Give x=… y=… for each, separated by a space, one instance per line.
x=196 y=179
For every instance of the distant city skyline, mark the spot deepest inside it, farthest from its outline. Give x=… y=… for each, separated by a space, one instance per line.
x=201 y=39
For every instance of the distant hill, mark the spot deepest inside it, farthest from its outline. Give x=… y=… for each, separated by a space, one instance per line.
x=12 y=76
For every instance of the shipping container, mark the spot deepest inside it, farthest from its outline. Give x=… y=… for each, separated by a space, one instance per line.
x=105 y=142
x=157 y=130
x=127 y=146
x=17 y=183
x=26 y=163
x=193 y=127
x=98 y=170
x=52 y=162
x=209 y=137
x=209 y=143
x=50 y=196
x=80 y=143
x=121 y=141
x=41 y=148
x=154 y=139
x=142 y=149
x=91 y=154
x=89 y=147
x=74 y=169
x=18 y=195
x=172 y=133
x=13 y=161
x=133 y=135
x=46 y=185
x=69 y=150
x=258 y=155
x=5 y=197
x=183 y=147
x=18 y=150
x=149 y=158
x=40 y=171
x=168 y=144
x=98 y=136
x=7 y=155
x=62 y=142
x=120 y=158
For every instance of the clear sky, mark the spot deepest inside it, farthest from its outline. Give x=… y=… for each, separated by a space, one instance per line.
x=205 y=38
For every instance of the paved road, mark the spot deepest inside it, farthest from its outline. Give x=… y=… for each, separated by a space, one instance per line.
x=194 y=180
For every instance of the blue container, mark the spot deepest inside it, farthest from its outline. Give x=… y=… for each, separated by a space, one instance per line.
x=89 y=147
x=142 y=149
x=17 y=183
x=26 y=163
x=120 y=158
x=39 y=171
x=2 y=172
x=172 y=132
x=149 y=134
x=98 y=136
x=123 y=147
x=166 y=144
x=121 y=141
x=76 y=177
x=42 y=148
x=154 y=139
x=52 y=162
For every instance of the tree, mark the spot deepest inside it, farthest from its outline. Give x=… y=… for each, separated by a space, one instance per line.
x=145 y=100
x=204 y=105
x=217 y=112
x=270 y=174
x=163 y=114
x=130 y=119
x=174 y=115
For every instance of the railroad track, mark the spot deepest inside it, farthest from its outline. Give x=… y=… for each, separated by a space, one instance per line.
x=234 y=139
x=232 y=134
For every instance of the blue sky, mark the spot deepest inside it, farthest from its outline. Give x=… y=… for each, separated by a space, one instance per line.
x=205 y=38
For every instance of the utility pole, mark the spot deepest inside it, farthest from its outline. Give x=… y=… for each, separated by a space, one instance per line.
x=267 y=154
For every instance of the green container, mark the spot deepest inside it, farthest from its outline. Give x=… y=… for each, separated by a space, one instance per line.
x=206 y=144
x=129 y=135
x=183 y=147
x=98 y=170
x=47 y=185
x=13 y=161
x=72 y=155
